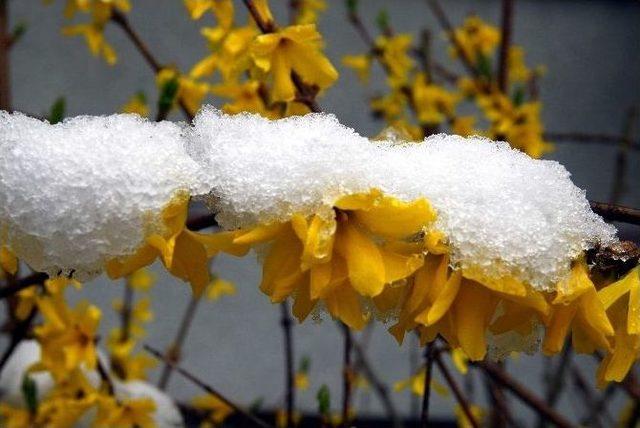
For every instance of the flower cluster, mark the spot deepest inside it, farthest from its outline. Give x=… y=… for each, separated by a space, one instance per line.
x=420 y=103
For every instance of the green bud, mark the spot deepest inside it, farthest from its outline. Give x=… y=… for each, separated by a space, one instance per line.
x=30 y=393
x=324 y=400
x=352 y=6
x=56 y=113
x=382 y=20
x=305 y=363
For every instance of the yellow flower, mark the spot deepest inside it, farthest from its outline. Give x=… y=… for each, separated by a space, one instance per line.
x=391 y=107
x=222 y=9
x=433 y=103
x=15 y=417
x=343 y=255
x=301 y=380
x=190 y=91
x=8 y=261
x=219 y=288
x=395 y=57
x=464 y=126
x=137 y=104
x=93 y=34
x=477 y=38
x=142 y=279
x=477 y=412
x=361 y=64
x=308 y=11
x=230 y=53
x=415 y=384
x=293 y=49
x=281 y=418
x=67 y=402
x=217 y=410
x=184 y=253
x=27 y=300
x=247 y=97
x=67 y=337
x=518 y=71
x=125 y=413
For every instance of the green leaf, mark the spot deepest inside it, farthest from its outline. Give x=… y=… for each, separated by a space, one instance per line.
x=484 y=66
x=518 y=96
x=18 y=31
x=256 y=405
x=324 y=400
x=56 y=113
x=30 y=393
x=168 y=94
x=305 y=364
x=141 y=96
x=382 y=20
x=352 y=6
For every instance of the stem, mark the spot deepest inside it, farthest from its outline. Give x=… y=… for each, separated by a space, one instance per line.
x=581 y=137
x=557 y=381
x=207 y=388
x=36 y=278
x=127 y=305
x=286 y=323
x=18 y=333
x=532 y=400
x=582 y=386
x=428 y=356
x=5 y=42
x=347 y=370
x=104 y=376
x=172 y=355
x=613 y=212
x=455 y=388
x=619 y=183
x=121 y=20
x=505 y=43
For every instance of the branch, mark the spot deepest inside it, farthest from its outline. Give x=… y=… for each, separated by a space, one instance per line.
x=535 y=402
x=5 y=43
x=18 y=333
x=121 y=20
x=428 y=366
x=505 y=43
x=581 y=137
x=347 y=373
x=207 y=388
x=455 y=388
x=286 y=322
x=35 y=278
x=612 y=212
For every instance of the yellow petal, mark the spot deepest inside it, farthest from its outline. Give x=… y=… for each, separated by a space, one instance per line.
x=343 y=303
x=259 y=234
x=320 y=277
x=364 y=261
x=557 y=330
x=221 y=241
x=473 y=311
x=190 y=262
x=303 y=304
x=144 y=256
x=396 y=219
x=281 y=269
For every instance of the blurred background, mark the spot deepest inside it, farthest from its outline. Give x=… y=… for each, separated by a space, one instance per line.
x=591 y=51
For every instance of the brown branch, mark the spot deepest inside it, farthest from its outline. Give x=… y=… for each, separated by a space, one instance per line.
x=5 y=43
x=18 y=333
x=347 y=374
x=428 y=366
x=535 y=402
x=455 y=388
x=620 y=172
x=121 y=20
x=35 y=278
x=362 y=363
x=174 y=351
x=127 y=307
x=557 y=380
x=104 y=376
x=207 y=388
x=445 y=23
x=505 y=44
x=286 y=323
x=613 y=212
x=581 y=137
x=582 y=386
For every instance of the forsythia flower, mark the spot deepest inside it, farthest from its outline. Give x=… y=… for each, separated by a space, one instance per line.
x=308 y=11
x=339 y=257
x=433 y=103
x=394 y=56
x=94 y=36
x=415 y=384
x=477 y=412
x=67 y=337
x=216 y=409
x=219 y=288
x=518 y=71
x=230 y=53
x=190 y=91
x=293 y=49
x=8 y=261
x=222 y=9
x=125 y=413
x=361 y=64
x=247 y=97
x=477 y=38
x=137 y=104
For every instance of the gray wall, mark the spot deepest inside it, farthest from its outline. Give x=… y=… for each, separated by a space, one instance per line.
x=589 y=47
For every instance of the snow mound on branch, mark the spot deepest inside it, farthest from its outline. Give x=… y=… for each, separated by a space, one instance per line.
x=502 y=211
x=75 y=194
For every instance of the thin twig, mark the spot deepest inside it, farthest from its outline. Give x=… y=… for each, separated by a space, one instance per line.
x=127 y=307
x=586 y=138
x=363 y=364
x=455 y=388
x=600 y=407
x=104 y=376
x=5 y=70
x=428 y=365
x=121 y=20
x=172 y=356
x=286 y=323
x=17 y=285
x=557 y=381
x=347 y=374
x=613 y=212
x=18 y=333
x=523 y=393
x=620 y=172
x=207 y=388
x=583 y=387
x=505 y=44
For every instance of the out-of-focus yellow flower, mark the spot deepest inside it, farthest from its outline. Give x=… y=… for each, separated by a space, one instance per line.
x=308 y=11
x=137 y=104
x=460 y=360
x=297 y=49
x=518 y=71
x=27 y=300
x=8 y=261
x=230 y=53
x=190 y=91
x=281 y=418
x=222 y=9
x=464 y=126
x=249 y=96
x=15 y=417
x=100 y=10
x=219 y=288
x=67 y=337
x=125 y=413
x=67 y=402
x=391 y=106
x=142 y=279
x=477 y=412
x=415 y=384
x=395 y=57
x=217 y=410
x=361 y=64
x=94 y=36
x=433 y=104
x=477 y=38
x=301 y=380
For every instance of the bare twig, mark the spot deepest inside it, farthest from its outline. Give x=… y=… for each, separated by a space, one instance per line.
x=600 y=407
x=428 y=365
x=619 y=213
x=581 y=137
x=172 y=356
x=5 y=42
x=17 y=285
x=18 y=333
x=347 y=374
x=535 y=402
x=557 y=380
x=121 y=20
x=505 y=44
x=455 y=388
x=104 y=376
x=207 y=388
x=619 y=176
x=127 y=307
x=583 y=387
x=286 y=323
